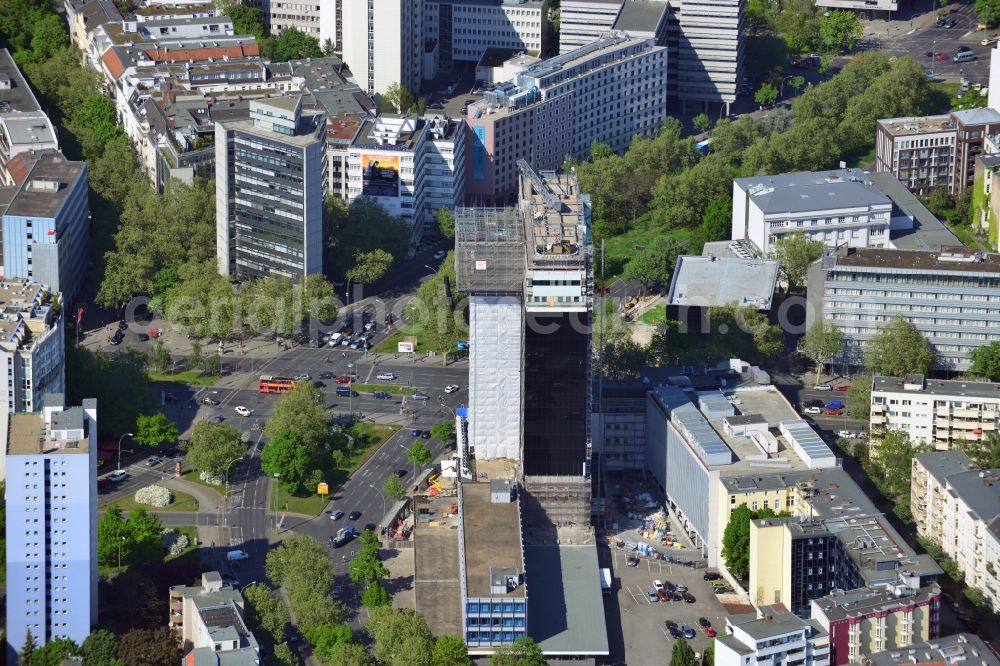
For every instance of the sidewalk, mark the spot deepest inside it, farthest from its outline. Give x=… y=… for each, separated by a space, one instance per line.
x=209 y=501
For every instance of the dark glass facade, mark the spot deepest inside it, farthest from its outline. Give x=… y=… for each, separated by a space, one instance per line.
x=556 y=351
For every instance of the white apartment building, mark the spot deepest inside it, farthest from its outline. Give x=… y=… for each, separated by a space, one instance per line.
x=305 y=16
x=839 y=207
x=584 y=21
x=23 y=124
x=951 y=296
x=957 y=505
x=51 y=533
x=31 y=347
x=412 y=166
x=706 y=52
x=383 y=43
x=867 y=7
x=462 y=30
x=208 y=621
x=771 y=635
x=933 y=411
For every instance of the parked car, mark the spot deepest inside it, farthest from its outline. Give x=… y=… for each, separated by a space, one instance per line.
x=326 y=375
x=833 y=411
x=712 y=575
x=675 y=632
x=401 y=472
x=370 y=527
x=117 y=340
x=652 y=596
x=942 y=56
x=426 y=434
x=842 y=387
x=632 y=561
x=822 y=387
x=662 y=595
x=142 y=337
x=847 y=434
x=814 y=403
x=963 y=49
x=657 y=584
x=302 y=377
x=209 y=401
x=813 y=410
x=688 y=632
x=689 y=598
x=704 y=623
x=440 y=254
x=117 y=476
x=344 y=379
x=989 y=40
x=709 y=632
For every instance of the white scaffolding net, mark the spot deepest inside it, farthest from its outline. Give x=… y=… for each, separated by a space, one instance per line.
x=496 y=325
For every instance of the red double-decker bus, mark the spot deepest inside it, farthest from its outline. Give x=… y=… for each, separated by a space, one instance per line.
x=270 y=384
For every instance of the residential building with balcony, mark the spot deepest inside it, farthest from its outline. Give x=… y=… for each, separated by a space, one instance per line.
x=23 y=124
x=869 y=619
x=270 y=179
x=934 y=151
x=209 y=624
x=771 y=636
x=31 y=348
x=51 y=497
x=46 y=226
x=957 y=505
x=942 y=413
x=951 y=296
x=954 y=649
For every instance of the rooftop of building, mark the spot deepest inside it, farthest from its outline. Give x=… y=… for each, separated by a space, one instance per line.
x=436 y=583
x=839 y=506
x=342 y=128
x=942 y=464
x=805 y=191
x=310 y=129
x=840 y=604
x=734 y=644
x=604 y=46
x=981 y=116
x=29 y=436
x=46 y=187
x=912 y=125
x=730 y=249
x=565 y=608
x=767 y=622
x=952 y=259
x=951 y=650
x=492 y=538
x=640 y=16
x=16 y=95
x=714 y=282
x=928 y=232
x=495 y=56
x=390 y=132
x=206 y=656
x=156 y=9
x=96 y=13
x=941 y=387
x=979 y=490
x=489 y=249
x=25 y=312
x=183 y=20
x=555 y=217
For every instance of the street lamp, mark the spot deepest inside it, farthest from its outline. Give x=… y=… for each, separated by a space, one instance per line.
x=412 y=461
x=127 y=434
x=120 y=552
x=382 y=495
x=781 y=90
x=274 y=500
x=431 y=268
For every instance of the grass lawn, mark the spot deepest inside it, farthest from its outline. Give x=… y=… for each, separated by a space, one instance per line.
x=192 y=534
x=313 y=504
x=192 y=476
x=394 y=389
x=656 y=315
x=181 y=502
x=619 y=249
x=863 y=160
x=965 y=235
x=185 y=377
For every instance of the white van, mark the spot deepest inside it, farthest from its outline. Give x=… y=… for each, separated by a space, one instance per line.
x=335 y=339
x=963 y=56
x=385 y=376
x=237 y=556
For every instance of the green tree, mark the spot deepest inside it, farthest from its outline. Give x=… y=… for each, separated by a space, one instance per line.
x=160 y=358
x=988 y=12
x=822 y=342
x=367 y=567
x=112 y=537
x=898 y=349
x=324 y=637
x=656 y=262
x=47 y=39
x=301 y=410
x=795 y=253
x=54 y=652
x=973 y=594
x=149 y=647
x=445 y=219
x=986 y=362
x=708 y=657
x=95 y=123
x=443 y=432
x=401 y=636
x=892 y=459
x=349 y=654
x=370 y=267
x=287 y=458
x=450 y=651
x=840 y=30
x=27 y=648
x=769 y=341
x=266 y=611
x=294 y=44
x=283 y=656
x=375 y=595
x=796 y=83
x=736 y=542
x=682 y=654
x=213 y=447
x=300 y=560
x=419 y=455
x=985 y=453
x=313 y=607
x=397 y=99
x=766 y=95
x=393 y=487
x=622 y=357
x=99 y=649
x=702 y=122
x=119 y=380
x=155 y=429
x=247 y=19
x=277 y=304
x=859 y=399
x=523 y=652
x=364 y=226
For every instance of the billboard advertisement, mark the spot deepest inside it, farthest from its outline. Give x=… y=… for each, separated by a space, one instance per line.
x=380 y=175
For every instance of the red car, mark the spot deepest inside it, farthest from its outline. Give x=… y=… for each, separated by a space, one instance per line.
x=833 y=412
x=942 y=56
x=343 y=379
x=844 y=387
x=663 y=594
x=710 y=632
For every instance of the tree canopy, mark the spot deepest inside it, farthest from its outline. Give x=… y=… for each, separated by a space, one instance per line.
x=682 y=654
x=155 y=429
x=213 y=447
x=523 y=652
x=302 y=411
x=821 y=343
x=288 y=459
x=795 y=253
x=898 y=349
x=401 y=636
x=986 y=362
